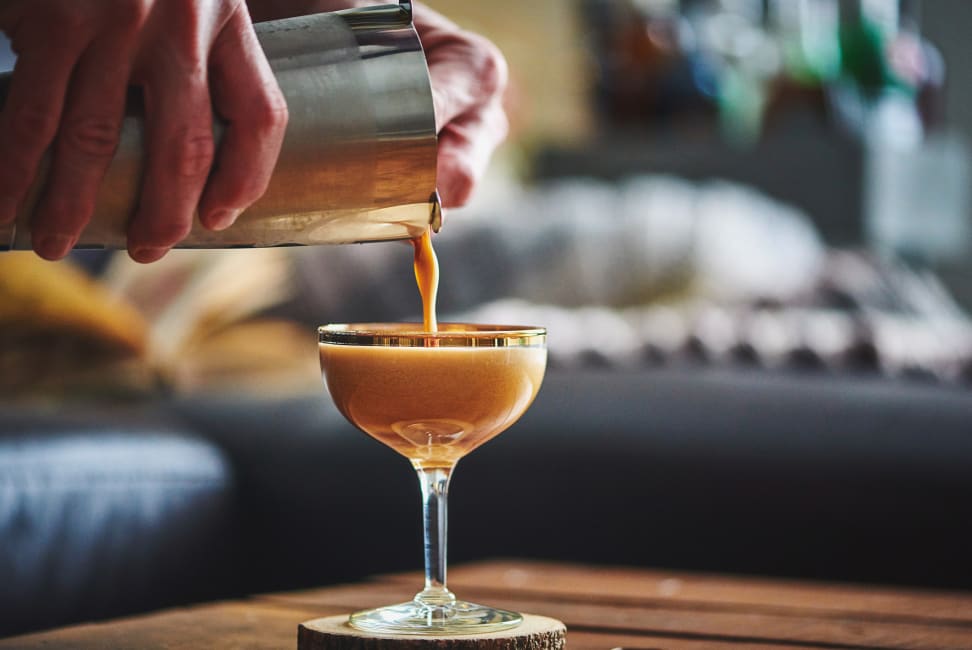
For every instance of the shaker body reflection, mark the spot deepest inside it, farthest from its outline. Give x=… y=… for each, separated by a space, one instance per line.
x=358 y=160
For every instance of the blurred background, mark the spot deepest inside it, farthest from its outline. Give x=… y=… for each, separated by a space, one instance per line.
x=831 y=106
x=779 y=183
x=747 y=227
x=854 y=112
x=776 y=182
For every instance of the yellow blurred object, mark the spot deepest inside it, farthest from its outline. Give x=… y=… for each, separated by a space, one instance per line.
x=548 y=97
x=263 y=357
x=61 y=332
x=185 y=323
x=59 y=299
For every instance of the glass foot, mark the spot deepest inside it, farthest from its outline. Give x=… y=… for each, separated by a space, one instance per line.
x=417 y=618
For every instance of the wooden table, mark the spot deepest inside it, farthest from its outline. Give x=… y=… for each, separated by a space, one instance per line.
x=603 y=609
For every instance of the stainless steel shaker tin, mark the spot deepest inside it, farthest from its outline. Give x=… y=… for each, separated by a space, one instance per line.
x=358 y=160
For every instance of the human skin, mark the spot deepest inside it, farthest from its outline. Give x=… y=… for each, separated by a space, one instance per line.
x=468 y=75
x=76 y=58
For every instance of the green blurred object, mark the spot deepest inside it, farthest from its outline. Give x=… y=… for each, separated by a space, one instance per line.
x=863 y=48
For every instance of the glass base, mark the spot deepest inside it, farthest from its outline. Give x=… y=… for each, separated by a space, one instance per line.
x=421 y=619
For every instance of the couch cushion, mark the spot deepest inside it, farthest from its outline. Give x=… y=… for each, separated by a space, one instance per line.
x=107 y=515
x=799 y=474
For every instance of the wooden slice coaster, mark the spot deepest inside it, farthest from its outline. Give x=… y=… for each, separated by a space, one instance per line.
x=334 y=633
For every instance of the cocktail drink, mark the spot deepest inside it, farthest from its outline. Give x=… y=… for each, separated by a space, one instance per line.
x=433 y=397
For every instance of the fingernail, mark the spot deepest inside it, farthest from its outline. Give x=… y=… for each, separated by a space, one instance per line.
x=223 y=219
x=8 y=209
x=148 y=254
x=54 y=247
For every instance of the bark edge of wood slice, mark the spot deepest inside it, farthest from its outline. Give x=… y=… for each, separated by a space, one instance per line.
x=334 y=633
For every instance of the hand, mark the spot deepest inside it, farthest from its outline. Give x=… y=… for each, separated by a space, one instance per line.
x=468 y=75
x=76 y=59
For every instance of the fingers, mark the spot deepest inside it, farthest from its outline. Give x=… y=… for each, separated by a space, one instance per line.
x=33 y=108
x=88 y=53
x=179 y=152
x=469 y=76
x=85 y=143
x=465 y=148
x=467 y=71
x=247 y=97
x=179 y=141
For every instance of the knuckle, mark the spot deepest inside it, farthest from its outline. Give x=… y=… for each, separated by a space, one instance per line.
x=492 y=70
x=269 y=113
x=96 y=137
x=192 y=153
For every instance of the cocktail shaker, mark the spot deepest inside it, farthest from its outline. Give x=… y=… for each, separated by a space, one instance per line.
x=358 y=159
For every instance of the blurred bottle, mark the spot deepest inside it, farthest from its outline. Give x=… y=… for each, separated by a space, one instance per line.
x=885 y=59
x=650 y=73
x=920 y=64
x=808 y=35
x=916 y=198
x=734 y=34
x=750 y=67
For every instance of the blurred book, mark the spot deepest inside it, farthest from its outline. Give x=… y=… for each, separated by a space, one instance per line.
x=191 y=322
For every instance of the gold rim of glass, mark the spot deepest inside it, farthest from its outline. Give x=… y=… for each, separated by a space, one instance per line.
x=459 y=335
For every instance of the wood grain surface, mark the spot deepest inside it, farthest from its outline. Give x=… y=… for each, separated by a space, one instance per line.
x=603 y=608
x=334 y=633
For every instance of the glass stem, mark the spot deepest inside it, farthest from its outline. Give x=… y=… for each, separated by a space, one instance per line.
x=435 y=488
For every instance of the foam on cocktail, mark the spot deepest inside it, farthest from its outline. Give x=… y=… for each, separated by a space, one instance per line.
x=432 y=404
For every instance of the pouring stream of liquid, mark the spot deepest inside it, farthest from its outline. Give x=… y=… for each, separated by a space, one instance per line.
x=427 y=278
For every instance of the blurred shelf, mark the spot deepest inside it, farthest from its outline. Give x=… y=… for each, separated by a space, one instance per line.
x=817 y=171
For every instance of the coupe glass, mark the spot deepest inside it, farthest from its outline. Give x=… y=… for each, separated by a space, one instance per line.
x=433 y=397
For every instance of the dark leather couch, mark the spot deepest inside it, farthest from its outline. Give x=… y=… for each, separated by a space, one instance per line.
x=802 y=474
x=109 y=512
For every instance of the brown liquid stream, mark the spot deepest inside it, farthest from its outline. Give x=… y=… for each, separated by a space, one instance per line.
x=432 y=404
x=427 y=277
